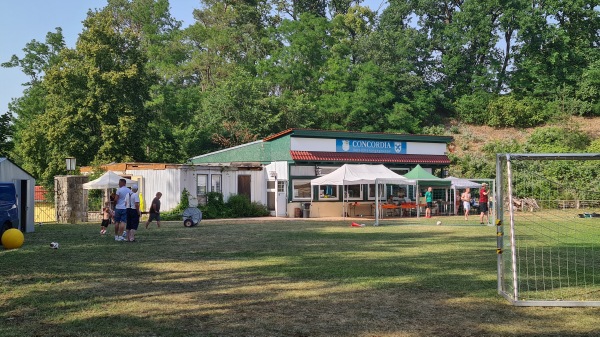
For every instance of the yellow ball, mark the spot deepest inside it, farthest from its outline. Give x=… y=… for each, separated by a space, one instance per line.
x=12 y=238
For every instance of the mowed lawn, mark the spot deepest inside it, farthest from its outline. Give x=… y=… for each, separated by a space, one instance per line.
x=268 y=277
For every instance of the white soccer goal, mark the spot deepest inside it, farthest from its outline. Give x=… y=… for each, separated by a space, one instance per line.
x=548 y=229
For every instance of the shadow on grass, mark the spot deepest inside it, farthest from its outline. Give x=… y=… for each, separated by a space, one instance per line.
x=275 y=279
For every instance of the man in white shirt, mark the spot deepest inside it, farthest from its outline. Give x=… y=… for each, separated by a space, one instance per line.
x=120 y=210
x=133 y=213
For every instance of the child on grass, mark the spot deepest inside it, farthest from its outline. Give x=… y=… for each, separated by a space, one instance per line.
x=107 y=215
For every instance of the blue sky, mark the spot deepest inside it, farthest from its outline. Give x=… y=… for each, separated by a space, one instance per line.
x=24 y=20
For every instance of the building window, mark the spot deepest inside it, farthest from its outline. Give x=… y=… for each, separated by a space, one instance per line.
x=381 y=192
x=301 y=188
x=215 y=183
x=354 y=192
x=328 y=192
x=400 y=171
x=281 y=186
x=201 y=183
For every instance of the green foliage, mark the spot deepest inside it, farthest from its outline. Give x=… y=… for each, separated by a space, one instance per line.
x=138 y=87
x=483 y=164
x=594 y=146
x=472 y=108
x=215 y=206
x=239 y=206
x=557 y=140
x=508 y=111
x=6 y=131
x=438 y=130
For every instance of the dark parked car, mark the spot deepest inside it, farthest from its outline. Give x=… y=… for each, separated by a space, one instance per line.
x=9 y=212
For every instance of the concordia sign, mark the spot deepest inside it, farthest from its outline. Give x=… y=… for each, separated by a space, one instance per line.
x=369 y=146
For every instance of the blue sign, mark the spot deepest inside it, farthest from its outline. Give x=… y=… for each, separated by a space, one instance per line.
x=369 y=146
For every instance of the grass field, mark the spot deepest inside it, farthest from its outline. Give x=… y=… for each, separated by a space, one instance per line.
x=268 y=278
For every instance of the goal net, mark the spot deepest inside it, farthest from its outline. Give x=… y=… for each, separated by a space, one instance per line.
x=548 y=229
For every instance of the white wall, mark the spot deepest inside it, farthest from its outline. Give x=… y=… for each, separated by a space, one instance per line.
x=281 y=167
x=164 y=181
x=11 y=173
x=171 y=182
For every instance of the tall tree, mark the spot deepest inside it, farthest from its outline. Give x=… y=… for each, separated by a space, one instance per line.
x=556 y=42
x=5 y=135
x=95 y=100
x=27 y=109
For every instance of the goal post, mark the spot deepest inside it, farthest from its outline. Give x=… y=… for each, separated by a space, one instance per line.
x=548 y=228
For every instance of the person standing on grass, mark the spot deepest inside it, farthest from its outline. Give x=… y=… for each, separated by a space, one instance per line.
x=107 y=215
x=133 y=213
x=483 y=203
x=120 y=210
x=466 y=200
x=429 y=201
x=155 y=210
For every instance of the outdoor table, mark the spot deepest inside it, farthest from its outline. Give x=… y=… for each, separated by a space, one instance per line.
x=389 y=207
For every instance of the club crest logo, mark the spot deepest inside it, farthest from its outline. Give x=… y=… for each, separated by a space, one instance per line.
x=345 y=145
x=398 y=147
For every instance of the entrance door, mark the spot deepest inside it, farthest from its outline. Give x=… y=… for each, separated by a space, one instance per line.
x=22 y=203
x=271 y=192
x=244 y=185
x=281 y=198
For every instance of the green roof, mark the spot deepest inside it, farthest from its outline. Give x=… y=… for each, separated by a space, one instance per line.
x=309 y=133
x=419 y=174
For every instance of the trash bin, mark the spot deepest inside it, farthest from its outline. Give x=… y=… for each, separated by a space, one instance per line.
x=297 y=213
x=306 y=210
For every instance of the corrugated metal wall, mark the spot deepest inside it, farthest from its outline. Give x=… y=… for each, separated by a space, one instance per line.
x=164 y=181
x=171 y=182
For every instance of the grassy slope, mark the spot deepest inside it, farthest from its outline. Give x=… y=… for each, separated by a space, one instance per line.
x=472 y=137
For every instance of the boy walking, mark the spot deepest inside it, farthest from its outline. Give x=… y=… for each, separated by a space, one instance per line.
x=155 y=210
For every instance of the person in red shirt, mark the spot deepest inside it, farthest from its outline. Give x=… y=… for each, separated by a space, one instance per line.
x=483 y=203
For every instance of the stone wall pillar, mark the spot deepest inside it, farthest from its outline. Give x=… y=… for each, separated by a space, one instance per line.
x=70 y=199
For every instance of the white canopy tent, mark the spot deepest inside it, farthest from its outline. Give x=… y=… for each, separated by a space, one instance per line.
x=357 y=174
x=106 y=181
x=460 y=183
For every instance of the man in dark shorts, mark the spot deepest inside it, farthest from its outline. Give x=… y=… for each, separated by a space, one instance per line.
x=483 y=203
x=155 y=210
x=133 y=213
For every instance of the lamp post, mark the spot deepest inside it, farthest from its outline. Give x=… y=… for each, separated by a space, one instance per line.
x=70 y=164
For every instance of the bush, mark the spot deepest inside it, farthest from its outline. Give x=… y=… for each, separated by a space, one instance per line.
x=436 y=130
x=215 y=207
x=471 y=108
x=557 y=139
x=259 y=209
x=239 y=206
x=508 y=111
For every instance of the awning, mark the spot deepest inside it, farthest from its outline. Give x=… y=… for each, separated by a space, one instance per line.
x=369 y=157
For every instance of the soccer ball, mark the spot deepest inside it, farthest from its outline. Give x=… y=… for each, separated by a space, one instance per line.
x=54 y=245
x=439 y=223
